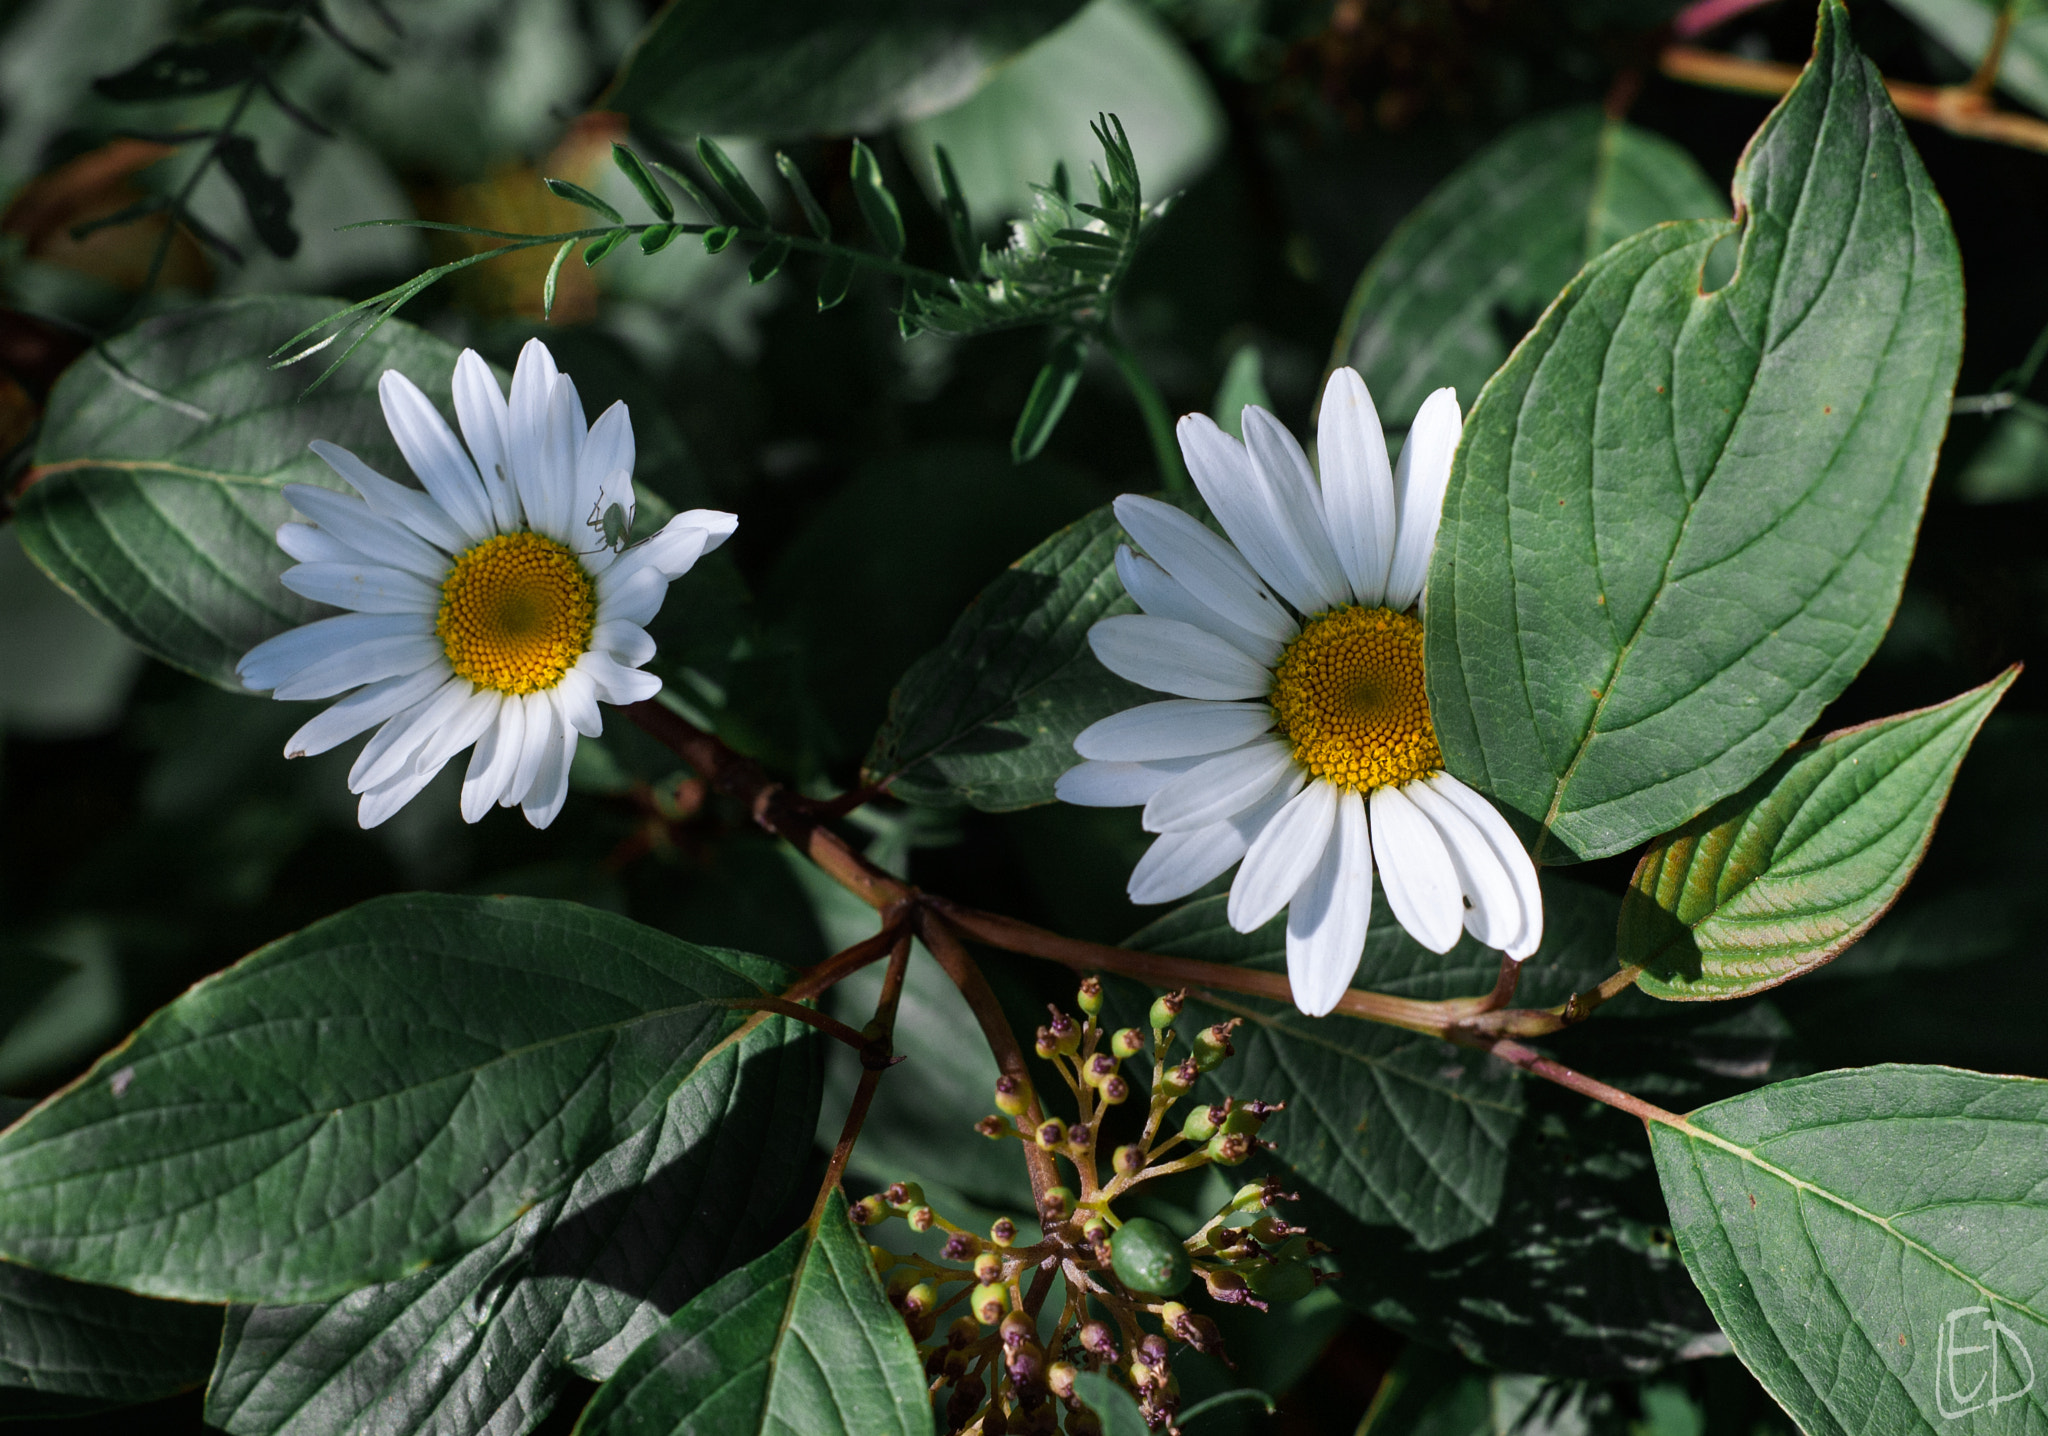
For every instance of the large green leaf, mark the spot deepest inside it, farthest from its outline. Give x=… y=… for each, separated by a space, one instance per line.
x=388 y=1088
x=801 y=1340
x=486 y=1344
x=804 y=67
x=155 y=497
x=1678 y=522
x=1114 y=56
x=1392 y=1126
x=988 y=717
x=63 y=1338
x=1470 y=268
x=1873 y=1243
x=1776 y=880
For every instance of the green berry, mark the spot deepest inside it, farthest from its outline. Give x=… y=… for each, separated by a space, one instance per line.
x=1089 y=1000
x=1280 y=1281
x=1148 y=1258
x=1202 y=1124
x=1166 y=1009
x=988 y=1302
x=1128 y=1042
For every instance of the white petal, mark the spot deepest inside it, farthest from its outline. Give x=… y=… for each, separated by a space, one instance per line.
x=550 y=495
x=309 y=543
x=677 y=545
x=1493 y=910
x=379 y=540
x=1217 y=787
x=480 y=409
x=490 y=767
x=437 y=459
x=526 y=432
x=392 y=501
x=627 y=642
x=607 y=451
x=366 y=588
x=362 y=710
x=1210 y=569
x=551 y=783
x=390 y=753
x=635 y=597
x=1172 y=657
x=1175 y=728
x=576 y=700
x=279 y=658
x=542 y=729
x=615 y=683
x=1281 y=466
x=1117 y=785
x=470 y=720
x=367 y=662
x=380 y=803
x=1178 y=863
x=1358 y=484
x=1162 y=595
x=1326 y=922
x=1223 y=472
x=1514 y=860
x=1419 y=484
x=1422 y=886
x=1282 y=857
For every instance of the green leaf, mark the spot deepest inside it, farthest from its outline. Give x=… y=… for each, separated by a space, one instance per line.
x=1390 y=1125
x=1776 y=880
x=1050 y=394
x=808 y=202
x=1870 y=1241
x=1470 y=268
x=1116 y=1406
x=653 y=240
x=731 y=182
x=989 y=717
x=800 y=1340
x=651 y=193
x=264 y=196
x=1116 y=55
x=180 y=68
x=1964 y=28
x=65 y=1338
x=577 y=194
x=571 y=1288
x=959 y=219
x=601 y=246
x=1678 y=522
x=155 y=497
x=1244 y=382
x=833 y=280
x=811 y=67
x=388 y=1088
x=765 y=264
x=877 y=205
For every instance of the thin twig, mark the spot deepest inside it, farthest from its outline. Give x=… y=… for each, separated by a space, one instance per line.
x=1703 y=15
x=1980 y=83
x=842 y=965
x=1515 y=1054
x=1540 y=1022
x=810 y=1016
x=874 y=1062
x=1955 y=108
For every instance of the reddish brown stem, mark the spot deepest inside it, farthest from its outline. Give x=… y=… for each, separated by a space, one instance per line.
x=1532 y=1061
x=875 y=1060
x=842 y=965
x=810 y=1016
x=1540 y=1022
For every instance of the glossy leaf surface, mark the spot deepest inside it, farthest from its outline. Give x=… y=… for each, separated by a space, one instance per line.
x=1776 y=880
x=1678 y=522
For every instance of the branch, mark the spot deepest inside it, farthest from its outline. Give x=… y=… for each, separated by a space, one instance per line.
x=1958 y=109
x=1515 y=1054
x=875 y=1060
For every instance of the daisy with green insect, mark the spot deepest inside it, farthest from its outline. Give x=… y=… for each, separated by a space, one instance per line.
x=497 y=605
x=1299 y=741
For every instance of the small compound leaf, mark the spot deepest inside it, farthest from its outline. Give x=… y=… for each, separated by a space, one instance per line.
x=1778 y=879
x=577 y=194
x=731 y=182
x=1050 y=394
x=877 y=205
x=959 y=222
x=833 y=280
x=1678 y=522
x=801 y=1339
x=180 y=68
x=764 y=265
x=808 y=202
x=387 y=1088
x=264 y=195
x=571 y=1288
x=651 y=193
x=598 y=248
x=988 y=718
x=1870 y=1240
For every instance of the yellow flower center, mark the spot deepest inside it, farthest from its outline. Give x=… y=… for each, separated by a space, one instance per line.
x=1348 y=693
x=516 y=613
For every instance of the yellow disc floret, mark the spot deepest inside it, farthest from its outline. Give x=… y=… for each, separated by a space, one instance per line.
x=1349 y=697
x=516 y=613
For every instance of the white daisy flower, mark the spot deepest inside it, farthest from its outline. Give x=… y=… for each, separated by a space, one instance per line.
x=488 y=609
x=1300 y=738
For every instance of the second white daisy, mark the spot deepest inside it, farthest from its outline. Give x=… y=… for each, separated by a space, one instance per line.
x=492 y=606
x=1299 y=738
